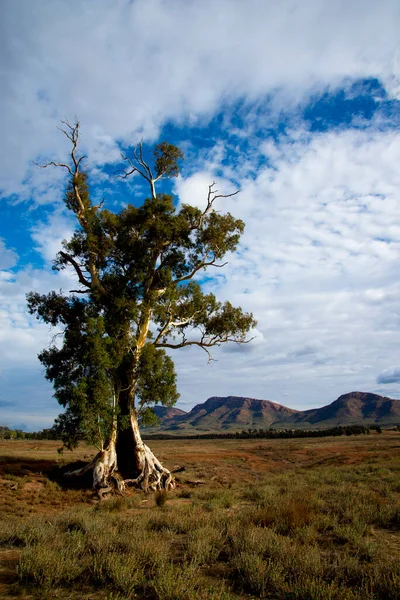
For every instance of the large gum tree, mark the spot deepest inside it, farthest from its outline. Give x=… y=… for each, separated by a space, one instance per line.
x=136 y=296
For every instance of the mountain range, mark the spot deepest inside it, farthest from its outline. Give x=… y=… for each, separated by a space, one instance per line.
x=234 y=413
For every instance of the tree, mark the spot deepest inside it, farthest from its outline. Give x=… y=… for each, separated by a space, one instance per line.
x=137 y=296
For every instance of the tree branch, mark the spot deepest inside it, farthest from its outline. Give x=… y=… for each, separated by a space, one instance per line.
x=140 y=166
x=99 y=206
x=54 y=164
x=78 y=270
x=196 y=269
x=202 y=345
x=204 y=342
x=192 y=343
x=134 y=169
x=142 y=162
x=211 y=197
x=170 y=324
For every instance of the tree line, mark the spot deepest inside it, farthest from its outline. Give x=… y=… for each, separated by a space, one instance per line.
x=6 y=433
x=271 y=433
x=53 y=434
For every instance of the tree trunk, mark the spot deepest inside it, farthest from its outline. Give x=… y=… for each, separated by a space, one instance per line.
x=106 y=477
x=136 y=461
x=127 y=460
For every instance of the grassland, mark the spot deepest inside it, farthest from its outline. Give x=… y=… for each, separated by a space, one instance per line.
x=306 y=519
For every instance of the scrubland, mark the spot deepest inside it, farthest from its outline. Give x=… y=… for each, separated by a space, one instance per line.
x=306 y=519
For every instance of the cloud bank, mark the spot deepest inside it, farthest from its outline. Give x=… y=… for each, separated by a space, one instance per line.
x=127 y=69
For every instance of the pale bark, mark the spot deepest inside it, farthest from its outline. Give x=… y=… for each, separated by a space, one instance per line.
x=106 y=477
x=152 y=475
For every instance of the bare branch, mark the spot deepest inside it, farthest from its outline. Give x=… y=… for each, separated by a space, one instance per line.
x=124 y=174
x=79 y=207
x=143 y=163
x=211 y=197
x=190 y=343
x=99 y=206
x=204 y=342
x=170 y=324
x=54 y=164
x=71 y=131
x=56 y=336
x=202 y=345
x=138 y=165
x=239 y=343
x=225 y=195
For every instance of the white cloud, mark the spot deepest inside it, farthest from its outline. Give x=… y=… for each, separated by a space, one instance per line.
x=391 y=375
x=49 y=235
x=8 y=258
x=22 y=337
x=318 y=267
x=127 y=68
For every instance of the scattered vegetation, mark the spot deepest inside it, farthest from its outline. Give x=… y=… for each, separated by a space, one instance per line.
x=319 y=530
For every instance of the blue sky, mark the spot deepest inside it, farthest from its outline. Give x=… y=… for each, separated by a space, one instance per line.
x=295 y=104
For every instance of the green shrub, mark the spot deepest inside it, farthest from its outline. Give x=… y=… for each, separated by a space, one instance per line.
x=50 y=566
x=173 y=582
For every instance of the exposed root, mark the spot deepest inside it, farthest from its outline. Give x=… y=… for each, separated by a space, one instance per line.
x=79 y=472
x=106 y=478
x=119 y=482
x=153 y=477
x=101 y=492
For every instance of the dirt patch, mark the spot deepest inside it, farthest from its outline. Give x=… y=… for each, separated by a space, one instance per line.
x=33 y=486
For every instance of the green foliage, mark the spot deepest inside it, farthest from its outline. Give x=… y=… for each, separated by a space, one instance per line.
x=148 y=418
x=273 y=434
x=136 y=297
x=166 y=158
x=156 y=381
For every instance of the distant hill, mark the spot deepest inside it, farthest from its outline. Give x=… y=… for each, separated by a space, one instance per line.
x=359 y=408
x=234 y=413
x=167 y=413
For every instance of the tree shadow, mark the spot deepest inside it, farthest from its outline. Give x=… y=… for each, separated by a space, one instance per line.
x=19 y=467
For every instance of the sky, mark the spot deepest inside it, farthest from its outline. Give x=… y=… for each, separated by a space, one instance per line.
x=296 y=104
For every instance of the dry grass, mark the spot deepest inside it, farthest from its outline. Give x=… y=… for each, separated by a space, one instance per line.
x=315 y=519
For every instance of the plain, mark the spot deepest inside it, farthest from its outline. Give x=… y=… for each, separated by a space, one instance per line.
x=306 y=519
